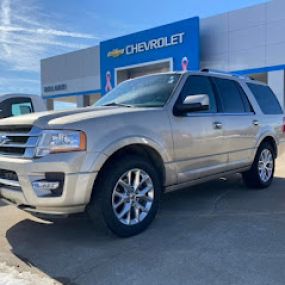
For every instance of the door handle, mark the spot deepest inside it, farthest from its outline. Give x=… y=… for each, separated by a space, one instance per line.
x=218 y=125
x=255 y=122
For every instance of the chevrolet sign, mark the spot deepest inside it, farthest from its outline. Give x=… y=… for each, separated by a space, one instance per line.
x=116 y=52
x=158 y=43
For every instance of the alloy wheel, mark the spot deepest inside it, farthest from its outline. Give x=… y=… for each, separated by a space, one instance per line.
x=265 y=165
x=133 y=196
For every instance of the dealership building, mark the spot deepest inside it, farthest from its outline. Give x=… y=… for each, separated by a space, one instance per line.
x=249 y=41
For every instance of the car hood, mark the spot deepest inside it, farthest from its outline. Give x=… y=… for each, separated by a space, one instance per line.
x=51 y=119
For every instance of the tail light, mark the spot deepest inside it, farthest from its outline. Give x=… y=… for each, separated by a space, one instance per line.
x=283 y=127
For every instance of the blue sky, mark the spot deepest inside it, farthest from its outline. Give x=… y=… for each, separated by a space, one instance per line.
x=35 y=29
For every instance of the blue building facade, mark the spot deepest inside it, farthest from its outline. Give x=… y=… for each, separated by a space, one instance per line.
x=170 y=47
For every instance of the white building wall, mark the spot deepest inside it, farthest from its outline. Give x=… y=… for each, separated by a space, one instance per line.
x=276 y=81
x=244 y=39
x=79 y=71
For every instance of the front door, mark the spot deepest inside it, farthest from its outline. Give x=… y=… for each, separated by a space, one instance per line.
x=198 y=138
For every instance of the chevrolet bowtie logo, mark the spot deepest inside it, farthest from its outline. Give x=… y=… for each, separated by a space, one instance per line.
x=116 y=52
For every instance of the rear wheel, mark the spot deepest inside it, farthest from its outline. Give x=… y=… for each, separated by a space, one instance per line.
x=262 y=171
x=126 y=197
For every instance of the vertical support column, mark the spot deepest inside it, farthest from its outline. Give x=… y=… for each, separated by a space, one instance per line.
x=80 y=101
x=86 y=100
x=276 y=80
x=49 y=104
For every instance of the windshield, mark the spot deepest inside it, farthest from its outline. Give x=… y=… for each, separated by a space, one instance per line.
x=148 y=91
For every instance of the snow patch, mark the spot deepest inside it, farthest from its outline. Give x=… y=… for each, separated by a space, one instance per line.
x=11 y=276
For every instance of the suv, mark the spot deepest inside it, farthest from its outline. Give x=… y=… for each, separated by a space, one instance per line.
x=147 y=136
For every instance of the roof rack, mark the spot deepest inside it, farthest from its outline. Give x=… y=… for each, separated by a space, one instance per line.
x=216 y=71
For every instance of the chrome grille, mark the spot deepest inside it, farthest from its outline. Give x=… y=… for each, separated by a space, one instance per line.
x=15 y=129
x=18 y=140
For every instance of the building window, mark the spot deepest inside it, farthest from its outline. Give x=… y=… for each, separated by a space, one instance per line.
x=93 y=98
x=65 y=103
x=131 y=72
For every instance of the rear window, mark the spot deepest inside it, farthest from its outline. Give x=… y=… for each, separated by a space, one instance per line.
x=266 y=99
x=22 y=108
x=232 y=96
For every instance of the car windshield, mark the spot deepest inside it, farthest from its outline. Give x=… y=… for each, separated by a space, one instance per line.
x=148 y=91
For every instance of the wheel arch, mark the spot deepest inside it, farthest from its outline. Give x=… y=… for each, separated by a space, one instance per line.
x=270 y=139
x=140 y=150
x=142 y=147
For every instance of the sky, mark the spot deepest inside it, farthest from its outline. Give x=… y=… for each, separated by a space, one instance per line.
x=34 y=29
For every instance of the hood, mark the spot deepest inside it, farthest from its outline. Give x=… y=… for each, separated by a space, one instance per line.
x=48 y=119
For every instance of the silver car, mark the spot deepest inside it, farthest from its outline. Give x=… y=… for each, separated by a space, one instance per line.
x=147 y=136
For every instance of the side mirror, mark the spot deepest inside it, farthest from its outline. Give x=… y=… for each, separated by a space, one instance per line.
x=192 y=103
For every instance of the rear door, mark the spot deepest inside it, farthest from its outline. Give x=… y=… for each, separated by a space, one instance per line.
x=273 y=114
x=238 y=121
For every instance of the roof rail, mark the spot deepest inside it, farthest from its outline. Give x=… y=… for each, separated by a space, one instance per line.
x=215 y=71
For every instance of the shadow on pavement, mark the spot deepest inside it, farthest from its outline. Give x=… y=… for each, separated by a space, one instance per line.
x=208 y=231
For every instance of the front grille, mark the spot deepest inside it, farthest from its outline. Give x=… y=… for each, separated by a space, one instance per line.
x=12 y=150
x=15 y=128
x=18 y=140
x=8 y=175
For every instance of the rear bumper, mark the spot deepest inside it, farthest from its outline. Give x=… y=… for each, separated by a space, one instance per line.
x=76 y=190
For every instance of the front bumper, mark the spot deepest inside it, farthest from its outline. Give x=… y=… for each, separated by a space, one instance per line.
x=77 y=186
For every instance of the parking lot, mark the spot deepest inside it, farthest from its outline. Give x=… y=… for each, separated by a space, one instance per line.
x=216 y=233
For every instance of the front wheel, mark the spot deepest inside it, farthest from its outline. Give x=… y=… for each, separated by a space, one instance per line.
x=262 y=171
x=126 y=196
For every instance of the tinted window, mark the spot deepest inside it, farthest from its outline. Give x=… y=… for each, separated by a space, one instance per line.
x=246 y=103
x=199 y=85
x=21 y=108
x=266 y=99
x=231 y=96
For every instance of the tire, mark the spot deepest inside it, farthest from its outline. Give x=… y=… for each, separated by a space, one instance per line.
x=108 y=193
x=254 y=178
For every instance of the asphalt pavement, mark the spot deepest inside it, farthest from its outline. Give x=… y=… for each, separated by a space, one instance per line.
x=215 y=233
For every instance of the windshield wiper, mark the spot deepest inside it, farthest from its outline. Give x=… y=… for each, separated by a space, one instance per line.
x=117 y=104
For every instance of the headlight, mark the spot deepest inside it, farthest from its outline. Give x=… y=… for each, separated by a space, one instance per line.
x=53 y=141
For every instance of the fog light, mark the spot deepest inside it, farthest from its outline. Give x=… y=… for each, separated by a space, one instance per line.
x=45 y=188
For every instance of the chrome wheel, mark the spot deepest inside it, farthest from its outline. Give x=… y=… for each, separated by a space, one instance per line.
x=133 y=196
x=265 y=165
